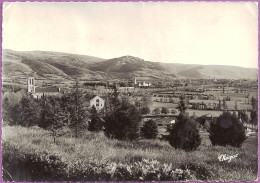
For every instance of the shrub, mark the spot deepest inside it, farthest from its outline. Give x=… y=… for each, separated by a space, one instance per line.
x=184 y=134
x=149 y=130
x=227 y=130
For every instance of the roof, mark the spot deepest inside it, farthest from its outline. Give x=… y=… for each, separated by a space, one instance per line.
x=96 y=97
x=47 y=90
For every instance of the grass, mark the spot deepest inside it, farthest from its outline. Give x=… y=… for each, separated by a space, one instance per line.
x=95 y=148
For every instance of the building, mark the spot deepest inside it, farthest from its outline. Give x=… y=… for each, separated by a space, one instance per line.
x=141 y=83
x=126 y=89
x=38 y=92
x=97 y=102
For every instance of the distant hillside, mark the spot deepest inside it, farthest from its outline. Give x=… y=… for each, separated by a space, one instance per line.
x=211 y=71
x=129 y=67
x=61 y=64
x=58 y=67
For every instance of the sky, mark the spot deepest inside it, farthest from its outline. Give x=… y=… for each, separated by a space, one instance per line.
x=208 y=33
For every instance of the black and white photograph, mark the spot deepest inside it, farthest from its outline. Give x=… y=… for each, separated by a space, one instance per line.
x=129 y=91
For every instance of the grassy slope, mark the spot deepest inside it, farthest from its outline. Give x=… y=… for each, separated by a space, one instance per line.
x=96 y=148
x=211 y=71
x=47 y=62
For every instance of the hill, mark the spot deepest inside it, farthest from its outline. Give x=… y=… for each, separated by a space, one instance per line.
x=128 y=67
x=211 y=71
x=47 y=65
x=64 y=67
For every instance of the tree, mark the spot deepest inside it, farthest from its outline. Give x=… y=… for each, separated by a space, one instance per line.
x=78 y=111
x=149 y=130
x=145 y=110
x=156 y=111
x=6 y=111
x=236 y=106
x=174 y=111
x=184 y=134
x=96 y=123
x=123 y=123
x=219 y=104
x=27 y=112
x=165 y=110
x=56 y=119
x=227 y=130
x=254 y=112
x=225 y=107
x=182 y=106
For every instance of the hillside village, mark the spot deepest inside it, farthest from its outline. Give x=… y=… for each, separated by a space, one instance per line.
x=123 y=105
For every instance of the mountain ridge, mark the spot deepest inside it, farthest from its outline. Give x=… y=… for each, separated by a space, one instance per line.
x=70 y=65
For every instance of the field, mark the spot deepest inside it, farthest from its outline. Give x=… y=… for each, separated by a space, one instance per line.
x=29 y=154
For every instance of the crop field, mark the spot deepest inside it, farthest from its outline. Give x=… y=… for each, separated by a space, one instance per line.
x=29 y=154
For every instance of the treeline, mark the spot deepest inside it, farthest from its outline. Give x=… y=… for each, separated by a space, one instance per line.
x=122 y=119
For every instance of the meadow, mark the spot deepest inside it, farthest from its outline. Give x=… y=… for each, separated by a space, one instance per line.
x=29 y=154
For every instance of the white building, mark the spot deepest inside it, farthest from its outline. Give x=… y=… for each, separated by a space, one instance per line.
x=142 y=83
x=98 y=102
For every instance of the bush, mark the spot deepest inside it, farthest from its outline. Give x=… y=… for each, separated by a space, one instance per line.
x=149 y=130
x=184 y=134
x=227 y=130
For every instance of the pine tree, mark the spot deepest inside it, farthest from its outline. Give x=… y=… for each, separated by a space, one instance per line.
x=123 y=123
x=28 y=112
x=182 y=106
x=184 y=134
x=149 y=130
x=78 y=111
x=96 y=123
x=165 y=110
x=227 y=130
x=55 y=119
x=6 y=111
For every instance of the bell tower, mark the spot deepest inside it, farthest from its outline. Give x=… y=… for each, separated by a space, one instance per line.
x=31 y=85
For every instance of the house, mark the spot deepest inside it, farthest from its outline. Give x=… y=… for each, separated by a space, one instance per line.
x=38 y=92
x=98 y=102
x=142 y=83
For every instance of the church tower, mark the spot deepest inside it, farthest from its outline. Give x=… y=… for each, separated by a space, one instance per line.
x=31 y=85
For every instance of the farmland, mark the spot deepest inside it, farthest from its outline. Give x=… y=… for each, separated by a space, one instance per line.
x=73 y=157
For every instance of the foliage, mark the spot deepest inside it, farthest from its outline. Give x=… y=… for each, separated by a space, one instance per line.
x=96 y=123
x=156 y=111
x=78 y=111
x=145 y=110
x=123 y=122
x=254 y=112
x=182 y=106
x=184 y=134
x=174 y=111
x=165 y=110
x=227 y=130
x=27 y=112
x=84 y=159
x=53 y=117
x=243 y=116
x=149 y=130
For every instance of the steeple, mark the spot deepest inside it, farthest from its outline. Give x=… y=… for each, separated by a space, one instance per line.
x=31 y=85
